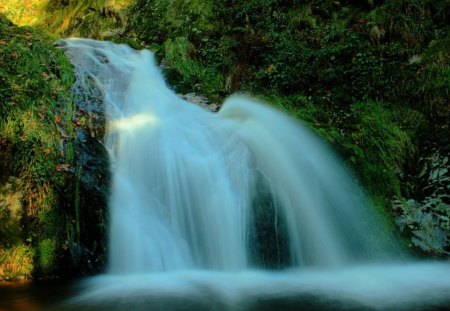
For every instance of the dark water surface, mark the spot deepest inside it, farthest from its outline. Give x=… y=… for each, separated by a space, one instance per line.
x=34 y=296
x=56 y=295
x=355 y=289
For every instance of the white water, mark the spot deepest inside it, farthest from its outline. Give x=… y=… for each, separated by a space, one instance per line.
x=187 y=184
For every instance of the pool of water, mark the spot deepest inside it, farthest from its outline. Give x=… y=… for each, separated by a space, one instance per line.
x=34 y=296
x=413 y=286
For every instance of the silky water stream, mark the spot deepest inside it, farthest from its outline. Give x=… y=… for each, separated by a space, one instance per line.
x=244 y=209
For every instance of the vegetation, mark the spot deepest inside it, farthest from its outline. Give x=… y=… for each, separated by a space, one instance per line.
x=371 y=77
x=34 y=80
x=37 y=143
x=91 y=18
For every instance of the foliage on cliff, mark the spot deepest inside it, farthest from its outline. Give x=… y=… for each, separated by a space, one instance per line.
x=33 y=79
x=39 y=170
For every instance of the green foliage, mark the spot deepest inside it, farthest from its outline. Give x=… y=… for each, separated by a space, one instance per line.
x=34 y=81
x=338 y=53
x=87 y=18
x=91 y=19
x=156 y=20
x=191 y=73
x=428 y=223
x=180 y=31
x=46 y=255
x=379 y=148
x=27 y=121
x=16 y=262
x=428 y=220
x=10 y=212
x=373 y=137
x=434 y=74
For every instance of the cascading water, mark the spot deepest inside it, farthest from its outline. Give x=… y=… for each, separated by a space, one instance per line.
x=191 y=188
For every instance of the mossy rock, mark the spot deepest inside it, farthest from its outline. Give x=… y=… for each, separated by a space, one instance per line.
x=43 y=149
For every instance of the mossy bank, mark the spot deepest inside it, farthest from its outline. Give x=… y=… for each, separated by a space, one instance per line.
x=42 y=208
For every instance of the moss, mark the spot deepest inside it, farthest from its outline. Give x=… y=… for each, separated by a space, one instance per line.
x=44 y=134
x=34 y=79
x=380 y=148
x=46 y=255
x=10 y=212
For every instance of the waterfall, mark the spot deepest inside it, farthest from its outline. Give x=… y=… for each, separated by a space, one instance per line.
x=202 y=199
x=185 y=180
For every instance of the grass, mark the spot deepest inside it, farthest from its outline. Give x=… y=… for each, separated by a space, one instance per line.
x=16 y=262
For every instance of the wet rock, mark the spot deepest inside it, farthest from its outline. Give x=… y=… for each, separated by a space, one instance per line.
x=201 y=101
x=88 y=181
